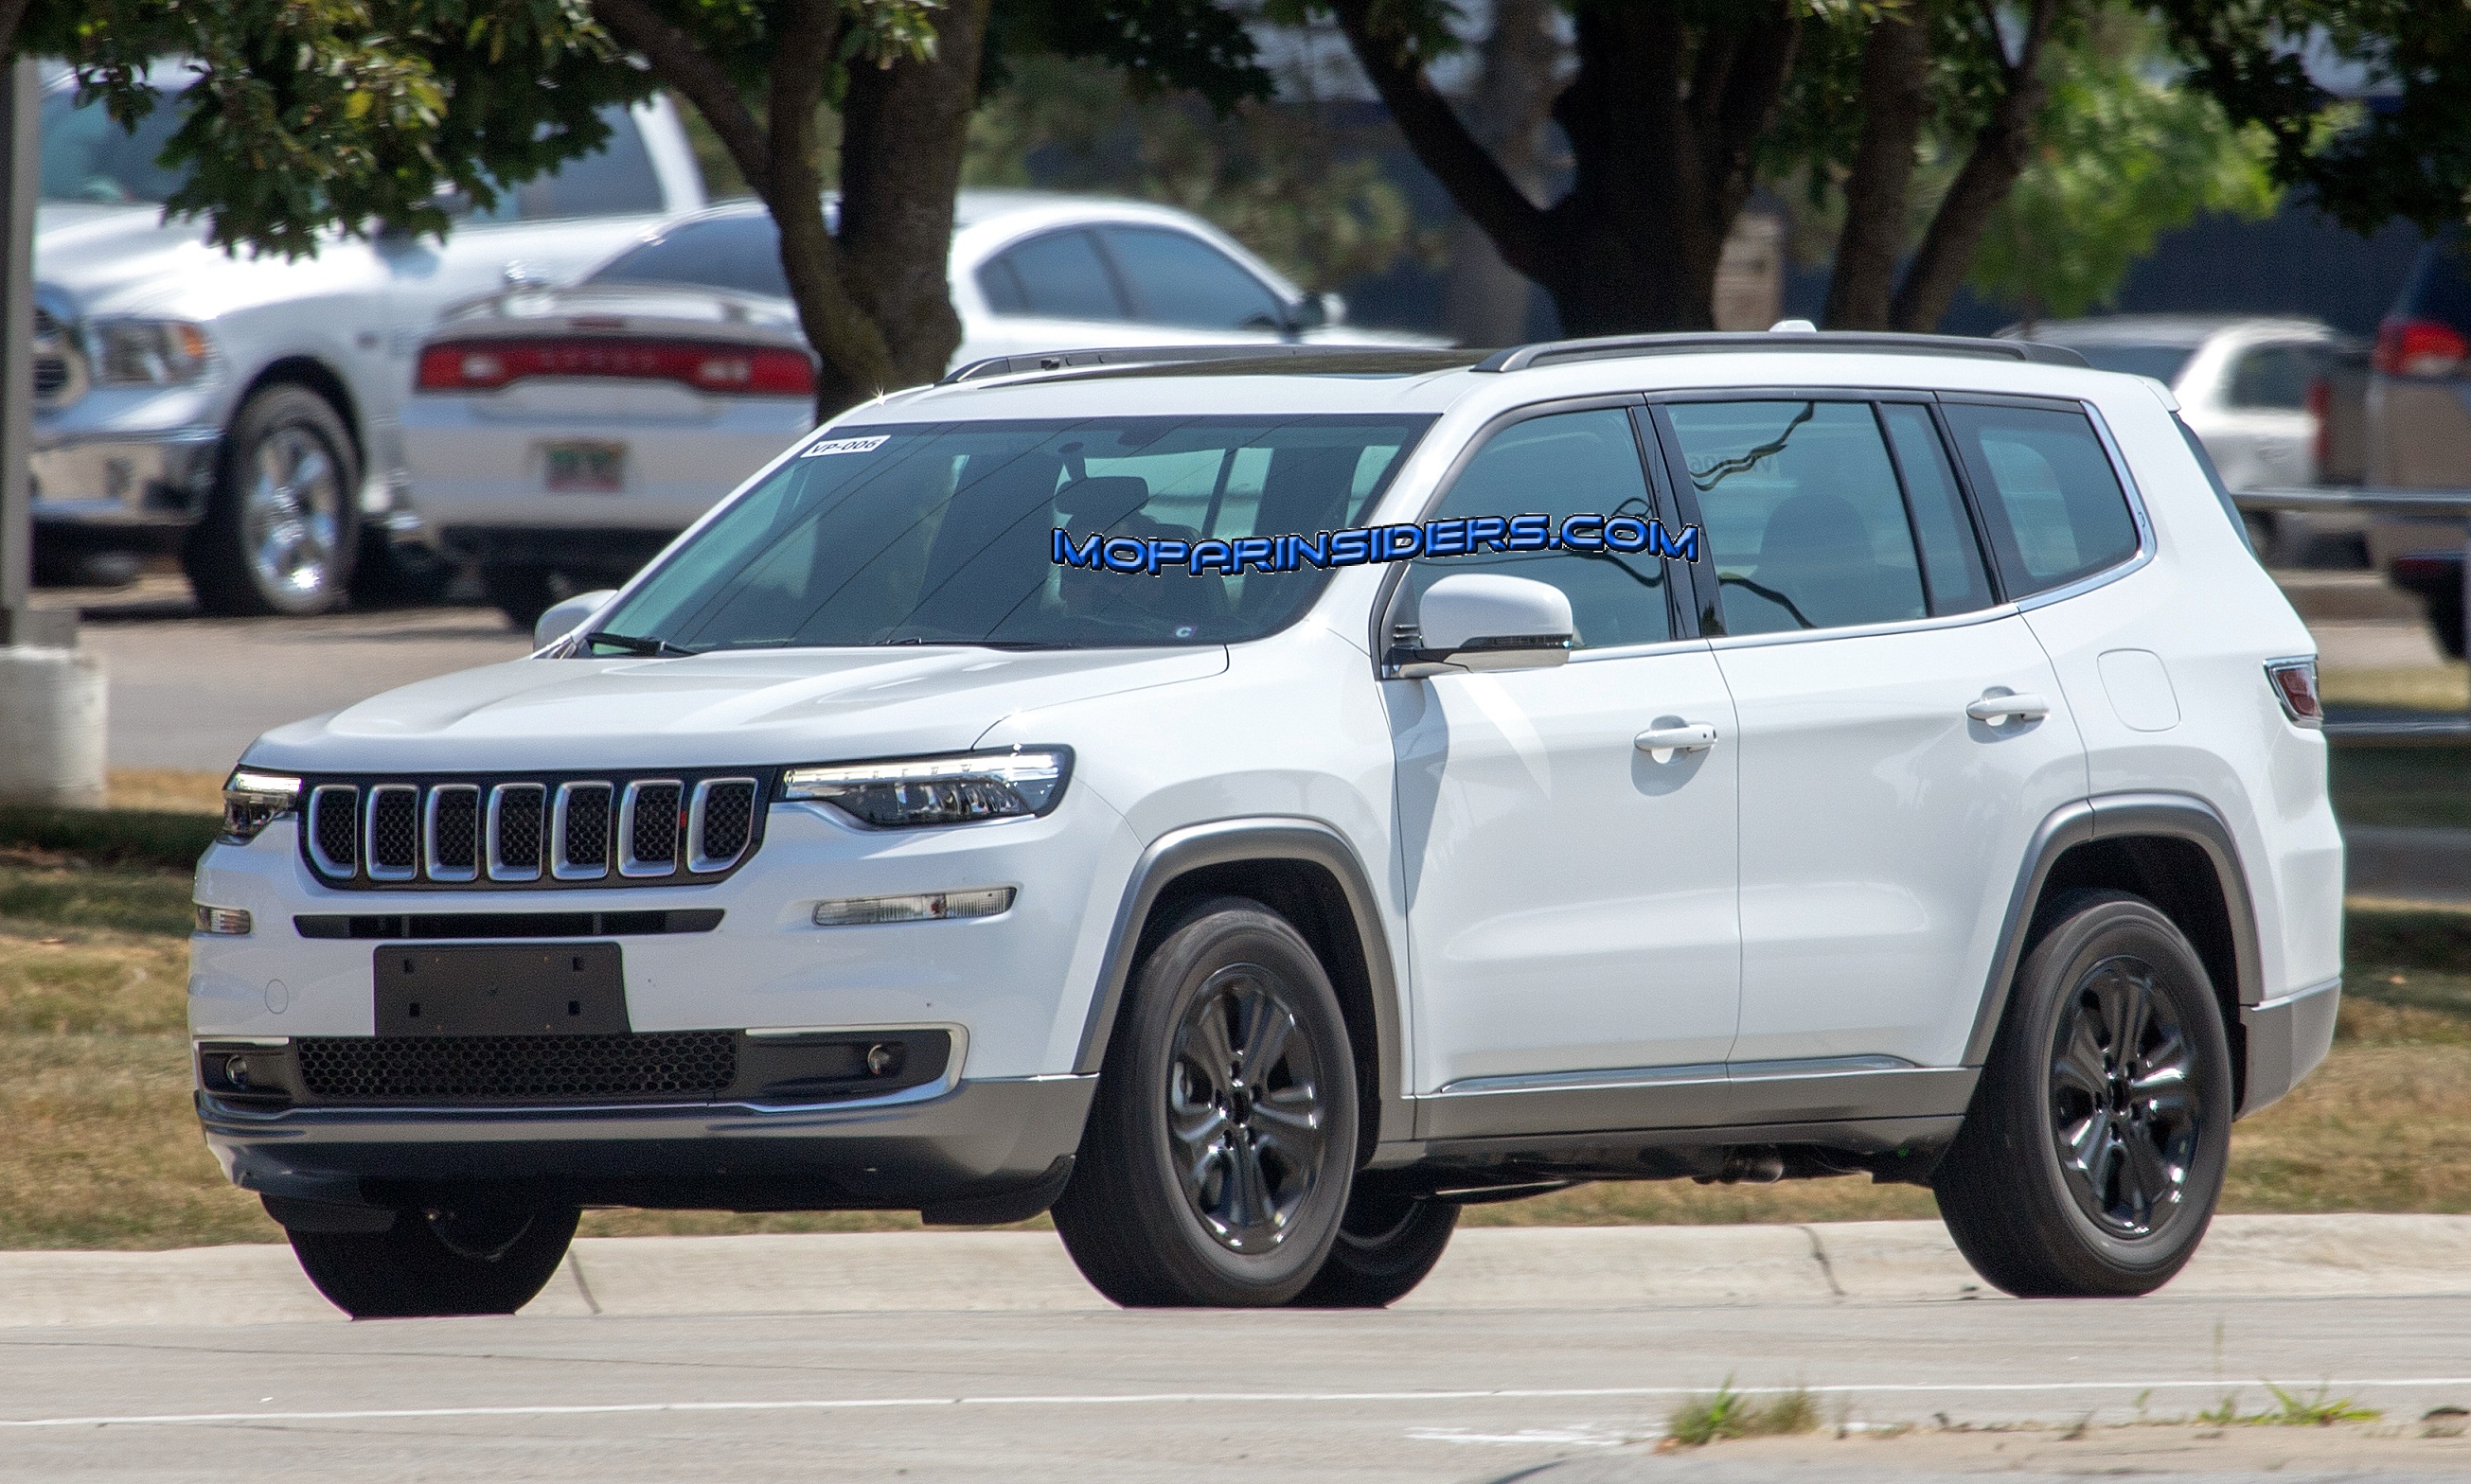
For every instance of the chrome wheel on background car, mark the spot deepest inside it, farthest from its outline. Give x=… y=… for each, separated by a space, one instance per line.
x=281 y=529
x=1215 y=1165
x=292 y=513
x=2094 y=1150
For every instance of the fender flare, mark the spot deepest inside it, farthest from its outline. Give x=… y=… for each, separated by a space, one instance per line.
x=2117 y=816
x=1227 y=841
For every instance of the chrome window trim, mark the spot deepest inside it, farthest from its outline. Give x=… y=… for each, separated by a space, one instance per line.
x=2146 y=545
x=327 y=866
x=1993 y=614
x=560 y=866
x=623 y=845
x=696 y=860
x=438 y=871
x=368 y=841
x=499 y=870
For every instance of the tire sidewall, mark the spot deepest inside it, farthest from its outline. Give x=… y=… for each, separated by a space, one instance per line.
x=1170 y=979
x=2053 y=970
x=269 y=411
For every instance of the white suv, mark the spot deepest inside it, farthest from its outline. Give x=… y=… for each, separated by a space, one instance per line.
x=1256 y=803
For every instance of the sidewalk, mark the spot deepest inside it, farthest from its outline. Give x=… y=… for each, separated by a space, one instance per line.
x=1490 y=1267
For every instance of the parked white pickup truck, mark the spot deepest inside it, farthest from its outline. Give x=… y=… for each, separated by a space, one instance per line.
x=242 y=410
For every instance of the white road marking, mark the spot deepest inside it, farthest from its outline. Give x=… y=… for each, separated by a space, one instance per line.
x=1172 y=1397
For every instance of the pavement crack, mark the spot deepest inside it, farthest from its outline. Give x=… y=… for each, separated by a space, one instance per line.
x=575 y=1270
x=1819 y=1252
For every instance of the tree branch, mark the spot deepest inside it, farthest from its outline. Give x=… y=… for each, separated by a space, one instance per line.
x=1894 y=103
x=1444 y=145
x=2002 y=148
x=679 y=62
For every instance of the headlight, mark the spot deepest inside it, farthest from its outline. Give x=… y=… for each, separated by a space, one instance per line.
x=960 y=789
x=150 y=352
x=252 y=800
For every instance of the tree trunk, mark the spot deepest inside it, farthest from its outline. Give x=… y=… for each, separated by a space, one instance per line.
x=1894 y=103
x=1485 y=300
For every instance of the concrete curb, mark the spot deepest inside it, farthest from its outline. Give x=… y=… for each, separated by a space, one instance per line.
x=1489 y=1267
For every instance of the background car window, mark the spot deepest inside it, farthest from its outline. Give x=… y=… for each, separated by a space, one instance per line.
x=87 y=157
x=2162 y=362
x=1560 y=465
x=1178 y=279
x=1059 y=276
x=2051 y=501
x=615 y=180
x=1951 y=558
x=2273 y=377
x=742 y=254
x=1804 y=520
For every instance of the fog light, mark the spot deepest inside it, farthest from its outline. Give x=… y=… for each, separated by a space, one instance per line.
x=923 y=907
x=236 y=1070
x=883 y=1060
x=224 y=921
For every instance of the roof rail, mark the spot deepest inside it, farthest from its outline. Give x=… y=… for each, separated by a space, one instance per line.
x=1155 y=356
x=1519 y=357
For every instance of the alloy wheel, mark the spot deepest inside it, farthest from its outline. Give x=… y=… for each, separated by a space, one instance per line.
x=2125 y=1115
x=1245 y=1109
x=291 y=516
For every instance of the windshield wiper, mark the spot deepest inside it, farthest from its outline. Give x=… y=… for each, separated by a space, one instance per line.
x=653 y=647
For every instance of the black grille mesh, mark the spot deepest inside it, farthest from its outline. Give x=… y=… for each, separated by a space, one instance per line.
x=656 y=824
x=728 y=818
x=516 y=1068
x=587 y=825
x=458 y=829
x=519 y=827
x=338 y=824
x=394 y=828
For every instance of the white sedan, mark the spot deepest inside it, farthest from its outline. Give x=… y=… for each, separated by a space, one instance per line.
x=559 y=438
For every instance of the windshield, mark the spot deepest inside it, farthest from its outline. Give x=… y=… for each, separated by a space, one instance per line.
x=943 y=533
x=89 y=158
x=2162 y=362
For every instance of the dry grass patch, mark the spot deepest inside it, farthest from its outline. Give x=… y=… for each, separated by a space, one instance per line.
x=163 y=790
x=2442 y=688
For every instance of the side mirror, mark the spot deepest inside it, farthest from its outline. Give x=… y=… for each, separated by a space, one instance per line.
x=1480 y=621
x=564 y=619
x=1333 y=308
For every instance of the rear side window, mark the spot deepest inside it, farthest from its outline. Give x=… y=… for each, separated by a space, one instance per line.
x=1178 y=279
x=2273 y=377
x=1058 y=276
x=1805 y=521
x=2051 y=501
x=1562 y=464
x=742 y=254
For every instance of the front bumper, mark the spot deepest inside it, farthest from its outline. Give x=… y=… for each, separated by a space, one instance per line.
x=963 y=1154
x=2286 y=1036
x=125 y=481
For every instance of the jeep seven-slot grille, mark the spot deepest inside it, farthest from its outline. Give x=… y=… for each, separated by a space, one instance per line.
x=478 y=833
x=517 y=1068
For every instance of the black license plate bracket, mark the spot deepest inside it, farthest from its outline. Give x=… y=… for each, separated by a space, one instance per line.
x=495 y=989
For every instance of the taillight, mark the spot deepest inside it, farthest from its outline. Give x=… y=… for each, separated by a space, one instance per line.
x=2295 y=686
x=2420 y=347
x=751 y=370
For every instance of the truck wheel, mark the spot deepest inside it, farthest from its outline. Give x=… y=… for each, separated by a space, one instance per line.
x=1386 y=1244
x=283 y=524
x=523 y=594
x=2093 y=1153
x=435 y=1263
x=1216 y=1161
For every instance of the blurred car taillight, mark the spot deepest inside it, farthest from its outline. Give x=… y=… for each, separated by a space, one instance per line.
x=2420 y=347
x=486 y=365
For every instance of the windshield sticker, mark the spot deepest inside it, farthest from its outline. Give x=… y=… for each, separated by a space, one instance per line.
x=1359 y=544
x=847 y=446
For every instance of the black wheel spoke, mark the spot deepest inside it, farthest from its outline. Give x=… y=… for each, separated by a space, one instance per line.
x=2123 y=1097
x=1245 y=1109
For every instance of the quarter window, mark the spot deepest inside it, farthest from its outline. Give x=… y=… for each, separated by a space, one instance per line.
x=1560 y=465
x=1805 y=521
x=2051 y=501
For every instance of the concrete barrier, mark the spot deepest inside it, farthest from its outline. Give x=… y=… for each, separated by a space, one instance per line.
x=1487 y=1268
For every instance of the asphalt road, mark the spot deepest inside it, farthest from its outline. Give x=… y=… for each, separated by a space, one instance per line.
x=1194 y=1397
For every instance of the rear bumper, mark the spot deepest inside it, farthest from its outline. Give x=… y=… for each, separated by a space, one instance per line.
x=963 y=1154
x=2286 y=1038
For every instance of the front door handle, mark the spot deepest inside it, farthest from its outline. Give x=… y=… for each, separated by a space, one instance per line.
x=1661 y=743
x=2000 y=710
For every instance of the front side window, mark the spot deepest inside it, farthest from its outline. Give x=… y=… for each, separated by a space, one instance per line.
x=1560 y=465
x=1805 y=521
x=2051 y=501
x=1058 y=276
x=1178 y=279
x=943 y=533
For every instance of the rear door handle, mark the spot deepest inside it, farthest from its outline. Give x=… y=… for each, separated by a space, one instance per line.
x=1998 y=710
x=1661 y=743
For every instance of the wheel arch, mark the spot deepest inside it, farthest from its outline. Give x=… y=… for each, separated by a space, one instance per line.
x=2174 y=849
x=310 y=374
x=1309 y=875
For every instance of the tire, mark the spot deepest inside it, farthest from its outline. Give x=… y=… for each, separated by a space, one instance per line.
x=523 y=594
x=392 y=576
x=439 y=1263
x=282 y=525
x=1386 y=1244
x=2109 y=970
x=1202 y=1177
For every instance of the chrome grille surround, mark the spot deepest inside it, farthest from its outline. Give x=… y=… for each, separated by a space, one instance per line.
x=498 y=833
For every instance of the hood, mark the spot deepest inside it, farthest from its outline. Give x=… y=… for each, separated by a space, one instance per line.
x=98 y=253
x=711 y=711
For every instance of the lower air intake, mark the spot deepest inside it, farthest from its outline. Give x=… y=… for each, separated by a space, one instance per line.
x=452 y=1069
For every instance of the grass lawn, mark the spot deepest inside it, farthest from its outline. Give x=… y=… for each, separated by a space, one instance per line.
x=99 y=1146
